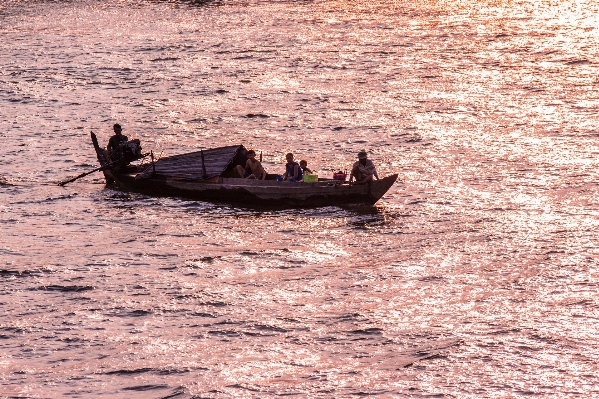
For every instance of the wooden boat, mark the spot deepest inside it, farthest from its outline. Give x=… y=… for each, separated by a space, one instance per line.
x=208 y=175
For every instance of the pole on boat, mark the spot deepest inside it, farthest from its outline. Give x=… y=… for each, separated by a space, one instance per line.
x=107 y=166
x=153 y=165
x=203 y=164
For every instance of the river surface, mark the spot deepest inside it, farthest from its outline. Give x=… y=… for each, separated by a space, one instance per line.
x=476 y=276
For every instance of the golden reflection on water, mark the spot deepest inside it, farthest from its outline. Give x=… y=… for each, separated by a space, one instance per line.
x=474 y=277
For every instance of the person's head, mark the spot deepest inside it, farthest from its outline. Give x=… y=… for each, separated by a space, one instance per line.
x=303 y=163
x=289 y=157
x=251 y=154
x=117 y=128
x=362 y=157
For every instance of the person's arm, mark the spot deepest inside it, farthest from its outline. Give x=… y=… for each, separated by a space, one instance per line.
x=296 y=172
x=262 y=172
x=354 y=173
x=374 y=172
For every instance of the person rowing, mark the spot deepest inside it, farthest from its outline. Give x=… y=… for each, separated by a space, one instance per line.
x=120 y=150
x=114 y=144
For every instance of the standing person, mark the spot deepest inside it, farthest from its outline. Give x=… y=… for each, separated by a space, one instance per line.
x=114 y=144
x=363 y=170
x=293 y=171
x=253 y=168
x=304 y=165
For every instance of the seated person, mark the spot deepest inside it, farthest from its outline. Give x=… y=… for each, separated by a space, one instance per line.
x=253 y=168
x=363 y=170
x=293 y=171
x=304 y=165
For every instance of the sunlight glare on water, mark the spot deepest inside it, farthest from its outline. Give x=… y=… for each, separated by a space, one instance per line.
x=475 y=276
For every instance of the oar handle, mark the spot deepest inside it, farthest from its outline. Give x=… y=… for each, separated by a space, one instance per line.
x=62 y=183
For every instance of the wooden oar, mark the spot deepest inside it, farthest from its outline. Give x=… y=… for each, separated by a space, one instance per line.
x=107 y=166
x=62 y=183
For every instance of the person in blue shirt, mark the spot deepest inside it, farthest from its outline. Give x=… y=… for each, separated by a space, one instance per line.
x=293 y=171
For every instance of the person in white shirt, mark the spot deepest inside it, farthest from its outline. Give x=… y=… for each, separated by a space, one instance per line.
x=364 y=170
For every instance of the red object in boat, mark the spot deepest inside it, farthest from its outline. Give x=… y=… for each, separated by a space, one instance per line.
x=339 y=176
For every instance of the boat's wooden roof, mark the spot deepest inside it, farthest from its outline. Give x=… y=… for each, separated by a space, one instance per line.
x=189 y=166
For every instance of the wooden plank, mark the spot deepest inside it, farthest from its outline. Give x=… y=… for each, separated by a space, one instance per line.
x=189 y=165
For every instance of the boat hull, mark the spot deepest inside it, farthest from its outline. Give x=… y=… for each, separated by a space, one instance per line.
x=259 y=192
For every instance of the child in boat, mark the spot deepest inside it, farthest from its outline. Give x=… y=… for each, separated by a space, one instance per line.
x=363 y=170
x=293 y=171
x=304 y=165
x=253 y=168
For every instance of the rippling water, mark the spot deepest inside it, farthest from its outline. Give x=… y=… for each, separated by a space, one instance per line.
x=475 y=276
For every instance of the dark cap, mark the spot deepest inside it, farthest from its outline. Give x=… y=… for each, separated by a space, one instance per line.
x=362 y=155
